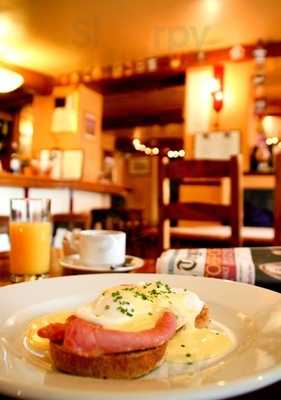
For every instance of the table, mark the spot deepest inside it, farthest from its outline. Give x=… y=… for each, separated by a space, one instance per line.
x=270 y=392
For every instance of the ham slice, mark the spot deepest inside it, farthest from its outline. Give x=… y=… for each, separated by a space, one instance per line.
x=89 y=340
x=55 y=332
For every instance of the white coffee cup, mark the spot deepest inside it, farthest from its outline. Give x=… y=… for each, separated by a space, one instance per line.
x=102 y=247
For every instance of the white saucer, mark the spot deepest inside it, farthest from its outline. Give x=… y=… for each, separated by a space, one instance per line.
x=73 y=261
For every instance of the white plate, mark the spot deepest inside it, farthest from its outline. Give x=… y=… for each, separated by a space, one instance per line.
x=73 y=261
x=252 y=313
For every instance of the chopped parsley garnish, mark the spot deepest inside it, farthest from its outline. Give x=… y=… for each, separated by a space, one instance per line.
x=150 y=294
x=107 y=307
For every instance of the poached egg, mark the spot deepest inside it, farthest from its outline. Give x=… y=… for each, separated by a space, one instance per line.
x=138 y=307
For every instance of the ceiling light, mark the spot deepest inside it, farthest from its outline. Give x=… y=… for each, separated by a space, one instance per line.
x=212 y=6
x=9 y=80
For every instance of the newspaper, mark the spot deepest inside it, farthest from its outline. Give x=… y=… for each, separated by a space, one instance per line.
x=260 y=266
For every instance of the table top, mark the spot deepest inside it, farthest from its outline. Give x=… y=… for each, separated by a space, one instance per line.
x=270 y=392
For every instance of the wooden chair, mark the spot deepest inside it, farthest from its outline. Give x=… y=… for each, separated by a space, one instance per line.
x=277 y=201
x=4 y=224
x=71 y=221
x=232 y=214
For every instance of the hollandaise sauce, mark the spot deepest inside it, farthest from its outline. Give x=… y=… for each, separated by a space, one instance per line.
x=36 y=346
x=192 y=346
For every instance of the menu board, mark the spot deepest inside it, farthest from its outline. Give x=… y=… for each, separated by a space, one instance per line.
x=216 y=145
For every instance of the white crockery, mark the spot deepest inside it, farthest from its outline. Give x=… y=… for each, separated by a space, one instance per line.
x=73 y=261
x=102 y=247
x=252 y=314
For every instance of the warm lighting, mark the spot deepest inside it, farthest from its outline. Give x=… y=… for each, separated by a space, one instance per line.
x=212 y=6
x=272 y=140
x=218 y=96
x=155 y=151
x=5 y=27
x=215 y=85
x=198 y=102
x=271 y=125
x=9 y=80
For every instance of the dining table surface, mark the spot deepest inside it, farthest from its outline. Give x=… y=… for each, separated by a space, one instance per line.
x=270 y=392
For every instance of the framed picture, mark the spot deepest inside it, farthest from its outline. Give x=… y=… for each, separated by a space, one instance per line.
x=139 y=165
x=72 y=164
x=217 y=145
x=89 y=124
x=63 y=164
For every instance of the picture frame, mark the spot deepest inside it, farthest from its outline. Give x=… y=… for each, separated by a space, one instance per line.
x=65 y=164
x=139 y=165
x=90 y=123
x=72 y=164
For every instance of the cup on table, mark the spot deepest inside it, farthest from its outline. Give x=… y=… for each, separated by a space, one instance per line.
x=30 y=232
x=102 y=247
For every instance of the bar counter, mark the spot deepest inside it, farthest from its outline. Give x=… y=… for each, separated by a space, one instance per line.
x=66 y=195
x=8 y=179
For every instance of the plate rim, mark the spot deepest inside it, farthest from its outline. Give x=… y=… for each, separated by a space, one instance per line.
x=237 y=387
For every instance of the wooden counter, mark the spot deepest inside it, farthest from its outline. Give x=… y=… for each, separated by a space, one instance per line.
x=67 y=196
x=13 y=180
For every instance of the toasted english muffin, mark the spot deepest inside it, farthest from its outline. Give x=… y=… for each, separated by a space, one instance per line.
x=128 y=365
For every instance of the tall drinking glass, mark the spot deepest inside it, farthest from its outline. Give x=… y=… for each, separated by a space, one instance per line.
x=30 y=236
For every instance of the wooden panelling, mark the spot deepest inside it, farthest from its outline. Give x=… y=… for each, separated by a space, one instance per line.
x=160 y=106
x=13 y=101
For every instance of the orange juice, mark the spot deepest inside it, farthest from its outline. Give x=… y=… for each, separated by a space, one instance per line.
x=30 y=247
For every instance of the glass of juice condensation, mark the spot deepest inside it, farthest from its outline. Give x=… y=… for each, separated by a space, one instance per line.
x=30 y=231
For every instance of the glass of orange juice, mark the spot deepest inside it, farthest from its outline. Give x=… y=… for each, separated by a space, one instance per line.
x=30 y=231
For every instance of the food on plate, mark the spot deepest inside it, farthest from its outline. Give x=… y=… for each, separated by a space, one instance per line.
x=128 y=330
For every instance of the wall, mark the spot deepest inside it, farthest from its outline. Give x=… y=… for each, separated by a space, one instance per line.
x=144 y=188
x=87 y=101
x=237 y=112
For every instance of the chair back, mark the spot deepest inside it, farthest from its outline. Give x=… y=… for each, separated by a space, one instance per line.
x=4 y=224
x=277 y=201
x=178 y=171
x=71 y=221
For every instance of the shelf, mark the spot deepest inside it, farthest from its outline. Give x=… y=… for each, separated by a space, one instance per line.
x=7 y=179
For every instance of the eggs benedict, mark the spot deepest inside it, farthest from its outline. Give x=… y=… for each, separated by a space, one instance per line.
x=128 y=330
